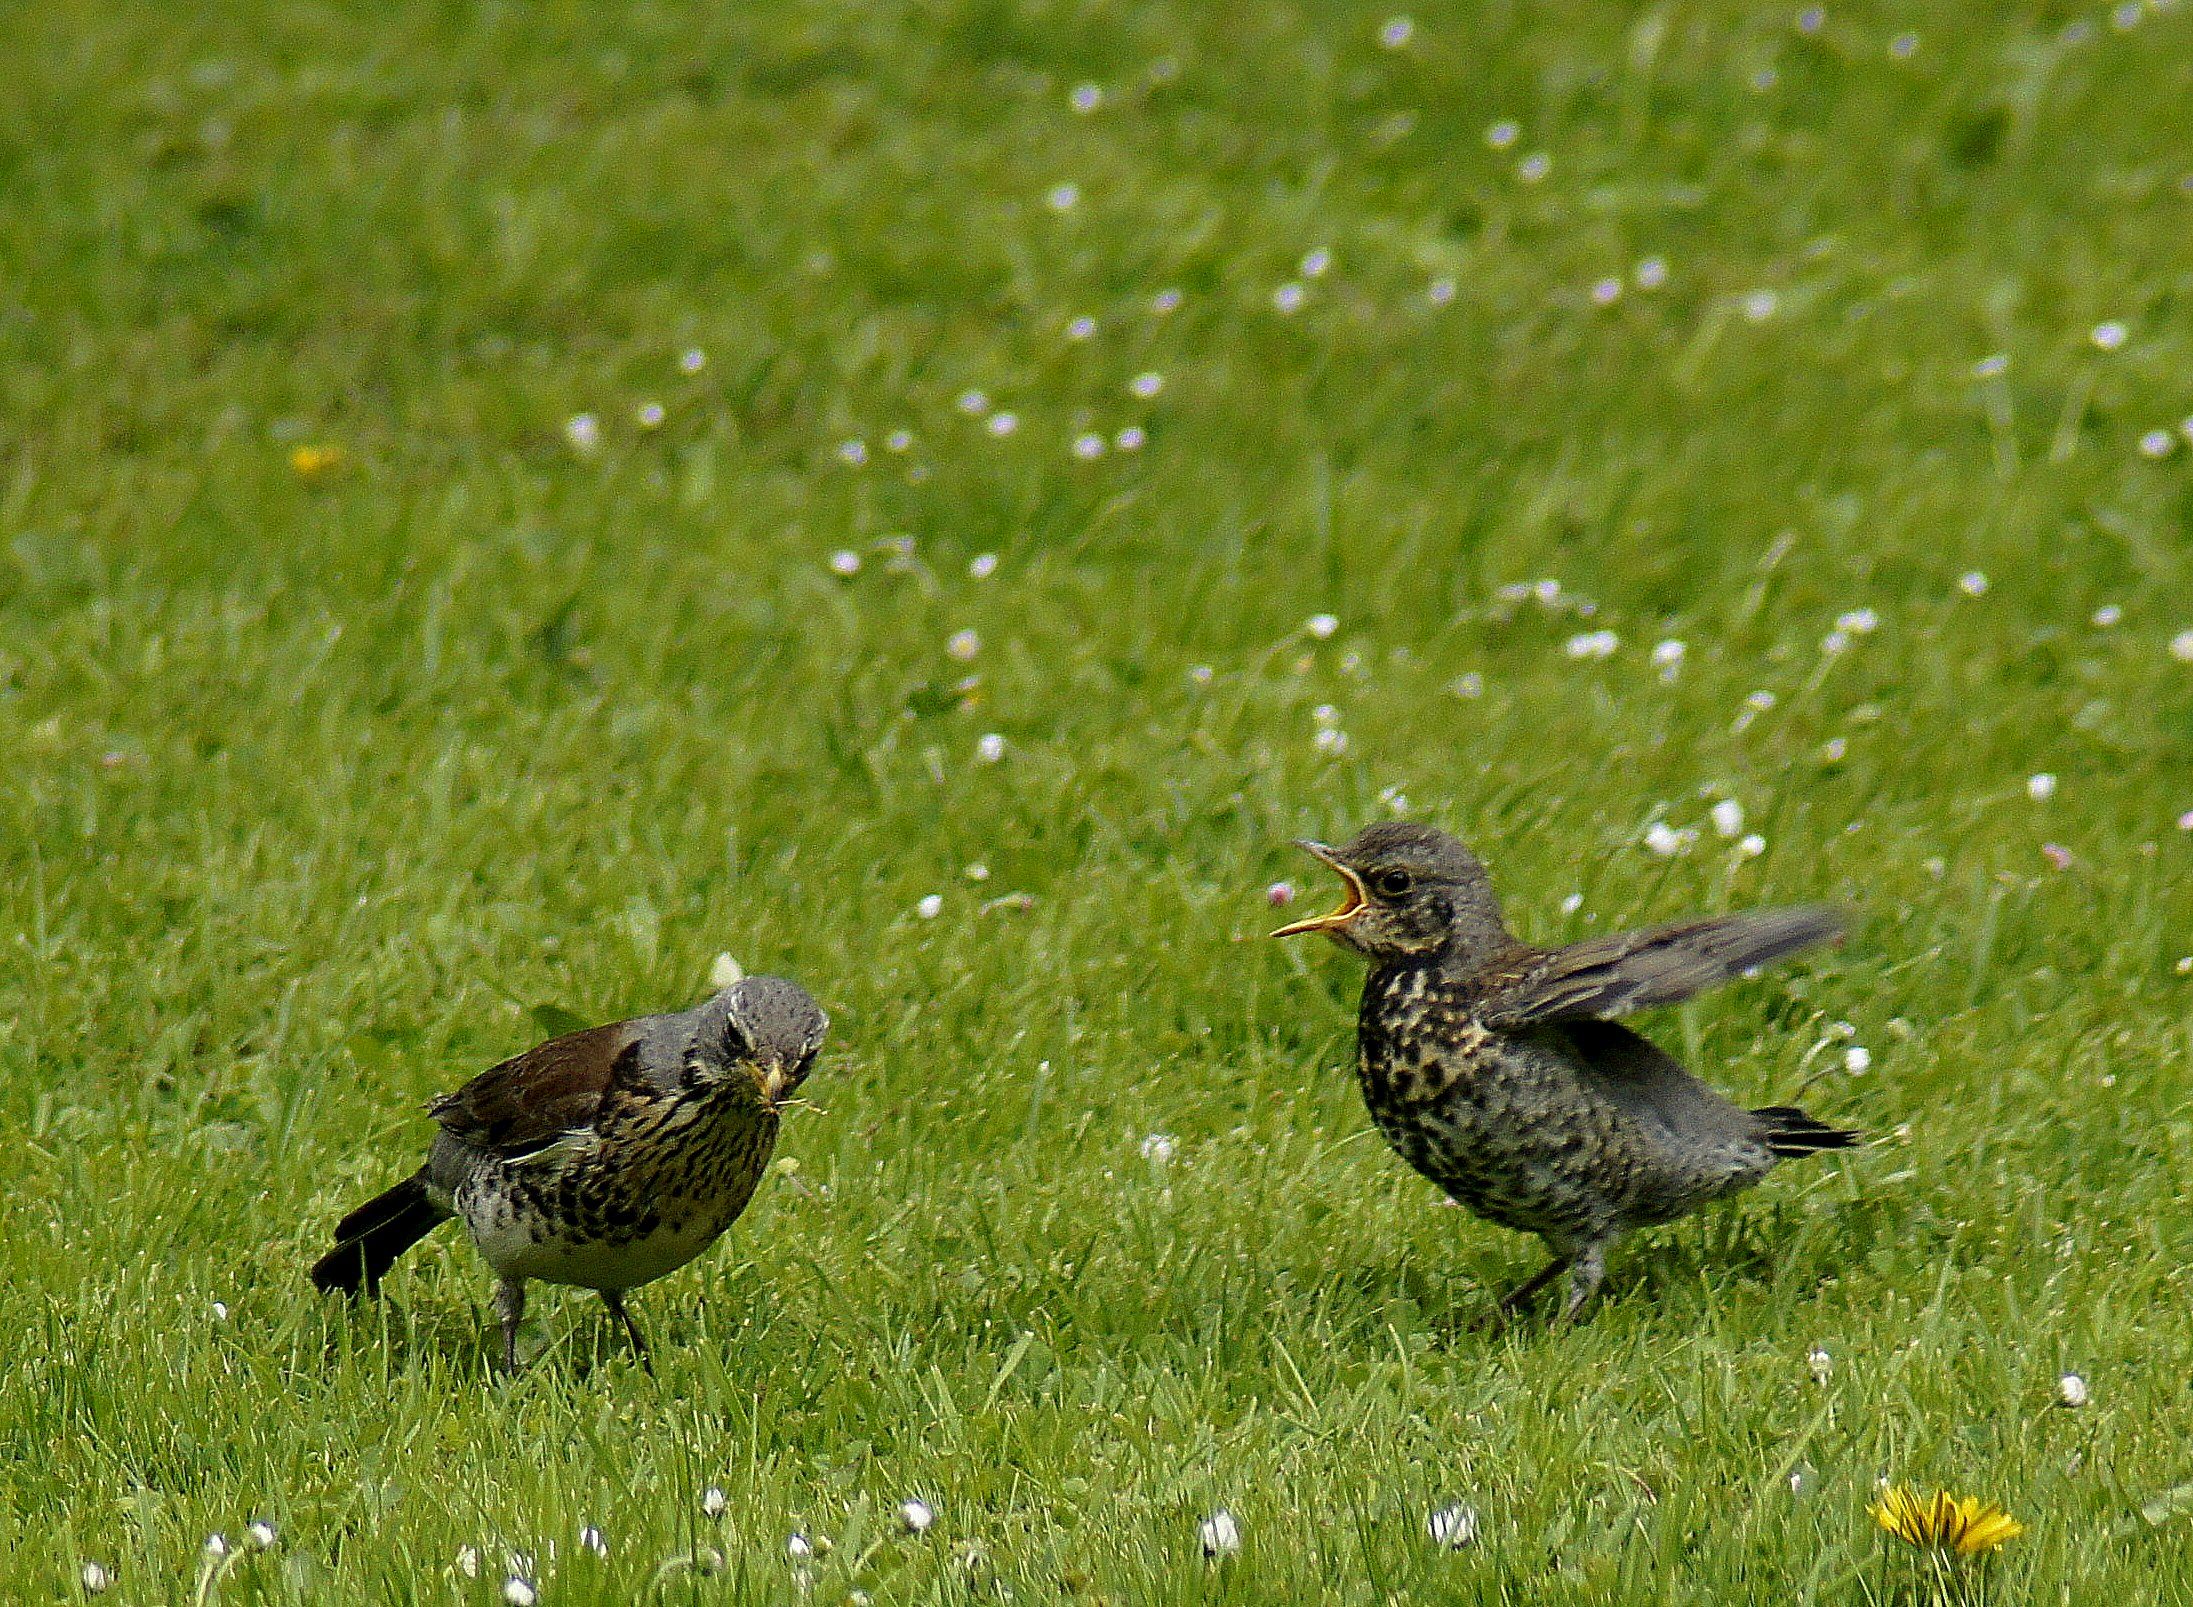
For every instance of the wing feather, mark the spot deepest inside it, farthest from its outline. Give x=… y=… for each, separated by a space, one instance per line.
x=1611 y=976
x=536 y=1099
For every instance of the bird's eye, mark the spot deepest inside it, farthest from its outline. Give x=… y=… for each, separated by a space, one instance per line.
x=1393 y=883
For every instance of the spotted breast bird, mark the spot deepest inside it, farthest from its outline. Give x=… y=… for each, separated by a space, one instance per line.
x=602 y=1159
x=1498 y=1071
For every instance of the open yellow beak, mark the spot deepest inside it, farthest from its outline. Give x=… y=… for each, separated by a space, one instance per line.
x=774 y=1082
x=1352 y=901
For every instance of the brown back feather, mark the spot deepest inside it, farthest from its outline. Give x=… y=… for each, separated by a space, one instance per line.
x=533 y=1099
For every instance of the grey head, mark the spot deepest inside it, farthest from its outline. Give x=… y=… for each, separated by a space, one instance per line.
x=1412 y=891
x=762 y=1029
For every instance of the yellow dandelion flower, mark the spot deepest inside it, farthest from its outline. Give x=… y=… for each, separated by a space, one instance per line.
x=1961 y=1524
x=315 y=462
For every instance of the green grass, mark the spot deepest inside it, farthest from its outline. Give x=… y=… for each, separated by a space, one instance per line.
x=318 y=790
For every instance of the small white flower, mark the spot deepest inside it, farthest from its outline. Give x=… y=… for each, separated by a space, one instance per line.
x=899 y=441
x=1651 y=273
x=982 y=566
x=1835 y=642
x=1085 y=98
x=1833 y=749
x=1819 y=1363
x=1534 y=167
x=1165 y=301
x=1321 y=626
x=1316 y=262
x=592 y=1539
x=519 y=1591
x=1082 y=328
x=1147 y=385
x=1325 y=714
x=468 y=1561
x=1202 y=674
x=798 y=1547
x=220 y=1311
x=1220 y=1535
x=1452 y=1527
x=1157 y=1149
x=1606 y=291
x=2071 y=1390
x=977 y=872
x=2107 y=615
x=1503 y=134
x=1667 y=658
x=1593 y=644
x=1811 y=19
x=1088 y=447
x=649 y=415
x=1666 y=841
x=1904 y=46
x=1395 y=32
x=94 y=1579
x=1548 y=592
x=1062 y=197
x=2109 y=335
x=1972 y=583
x=1130 y=439
x=855 y=453
x=1857 y=1060
x=1440 y=291
x=1288 y=297
x=1751 y=845
x=714 y=1503
x=1002 y=423
x=989 y=748
x=1571 y=904
x=2158 y=444
x=2181 y=647
x=1864 y=621
x=693 y=360
x=217 y=1545
x=916 y=1514
x=1728 y=818
x=260 y=1532
x=583 y=431
x=973 y=403
x=1331 y=741
x=931 y=906
x=1993 y=366
x=963 y=646
x=2040 y=788
x=845 y=563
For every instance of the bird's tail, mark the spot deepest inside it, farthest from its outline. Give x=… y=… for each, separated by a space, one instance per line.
x=1790 y=1132
x=368 y=1241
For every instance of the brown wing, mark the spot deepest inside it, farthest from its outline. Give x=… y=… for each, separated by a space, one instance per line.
x=1611 y=976
x=530 y=1101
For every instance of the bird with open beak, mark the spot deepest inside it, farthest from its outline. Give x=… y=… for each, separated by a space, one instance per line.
x=601 y=1159
x=1498 y=1071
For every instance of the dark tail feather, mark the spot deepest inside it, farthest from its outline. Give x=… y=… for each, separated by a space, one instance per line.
x=368 y=1241
x=1790 y=1132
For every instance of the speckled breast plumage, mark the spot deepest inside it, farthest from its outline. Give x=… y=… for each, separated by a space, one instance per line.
x=1500 y=1121
x=651 y=1185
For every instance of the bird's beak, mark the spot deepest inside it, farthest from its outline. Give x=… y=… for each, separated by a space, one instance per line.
x=1351 y=901
x=776 y=1077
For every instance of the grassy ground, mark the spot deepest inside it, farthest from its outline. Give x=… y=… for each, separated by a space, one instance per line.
x=332 y=775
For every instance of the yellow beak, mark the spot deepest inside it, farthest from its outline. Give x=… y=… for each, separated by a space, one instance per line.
x=1353 y=899
x=774 y=1082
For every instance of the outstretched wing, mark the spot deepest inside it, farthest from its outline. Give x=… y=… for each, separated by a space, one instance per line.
x=529 y=1102
x=1611 y=976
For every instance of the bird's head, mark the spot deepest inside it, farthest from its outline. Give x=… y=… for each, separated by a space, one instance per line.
x=762 y=1031
x=1409 y=890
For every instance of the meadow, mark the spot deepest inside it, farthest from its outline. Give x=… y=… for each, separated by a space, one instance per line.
x=501 y=505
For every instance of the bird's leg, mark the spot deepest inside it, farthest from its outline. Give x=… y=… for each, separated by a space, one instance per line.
x=1518 y=1300
x=1586 y=1271
x=614 y=1300
x=510 y=1306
